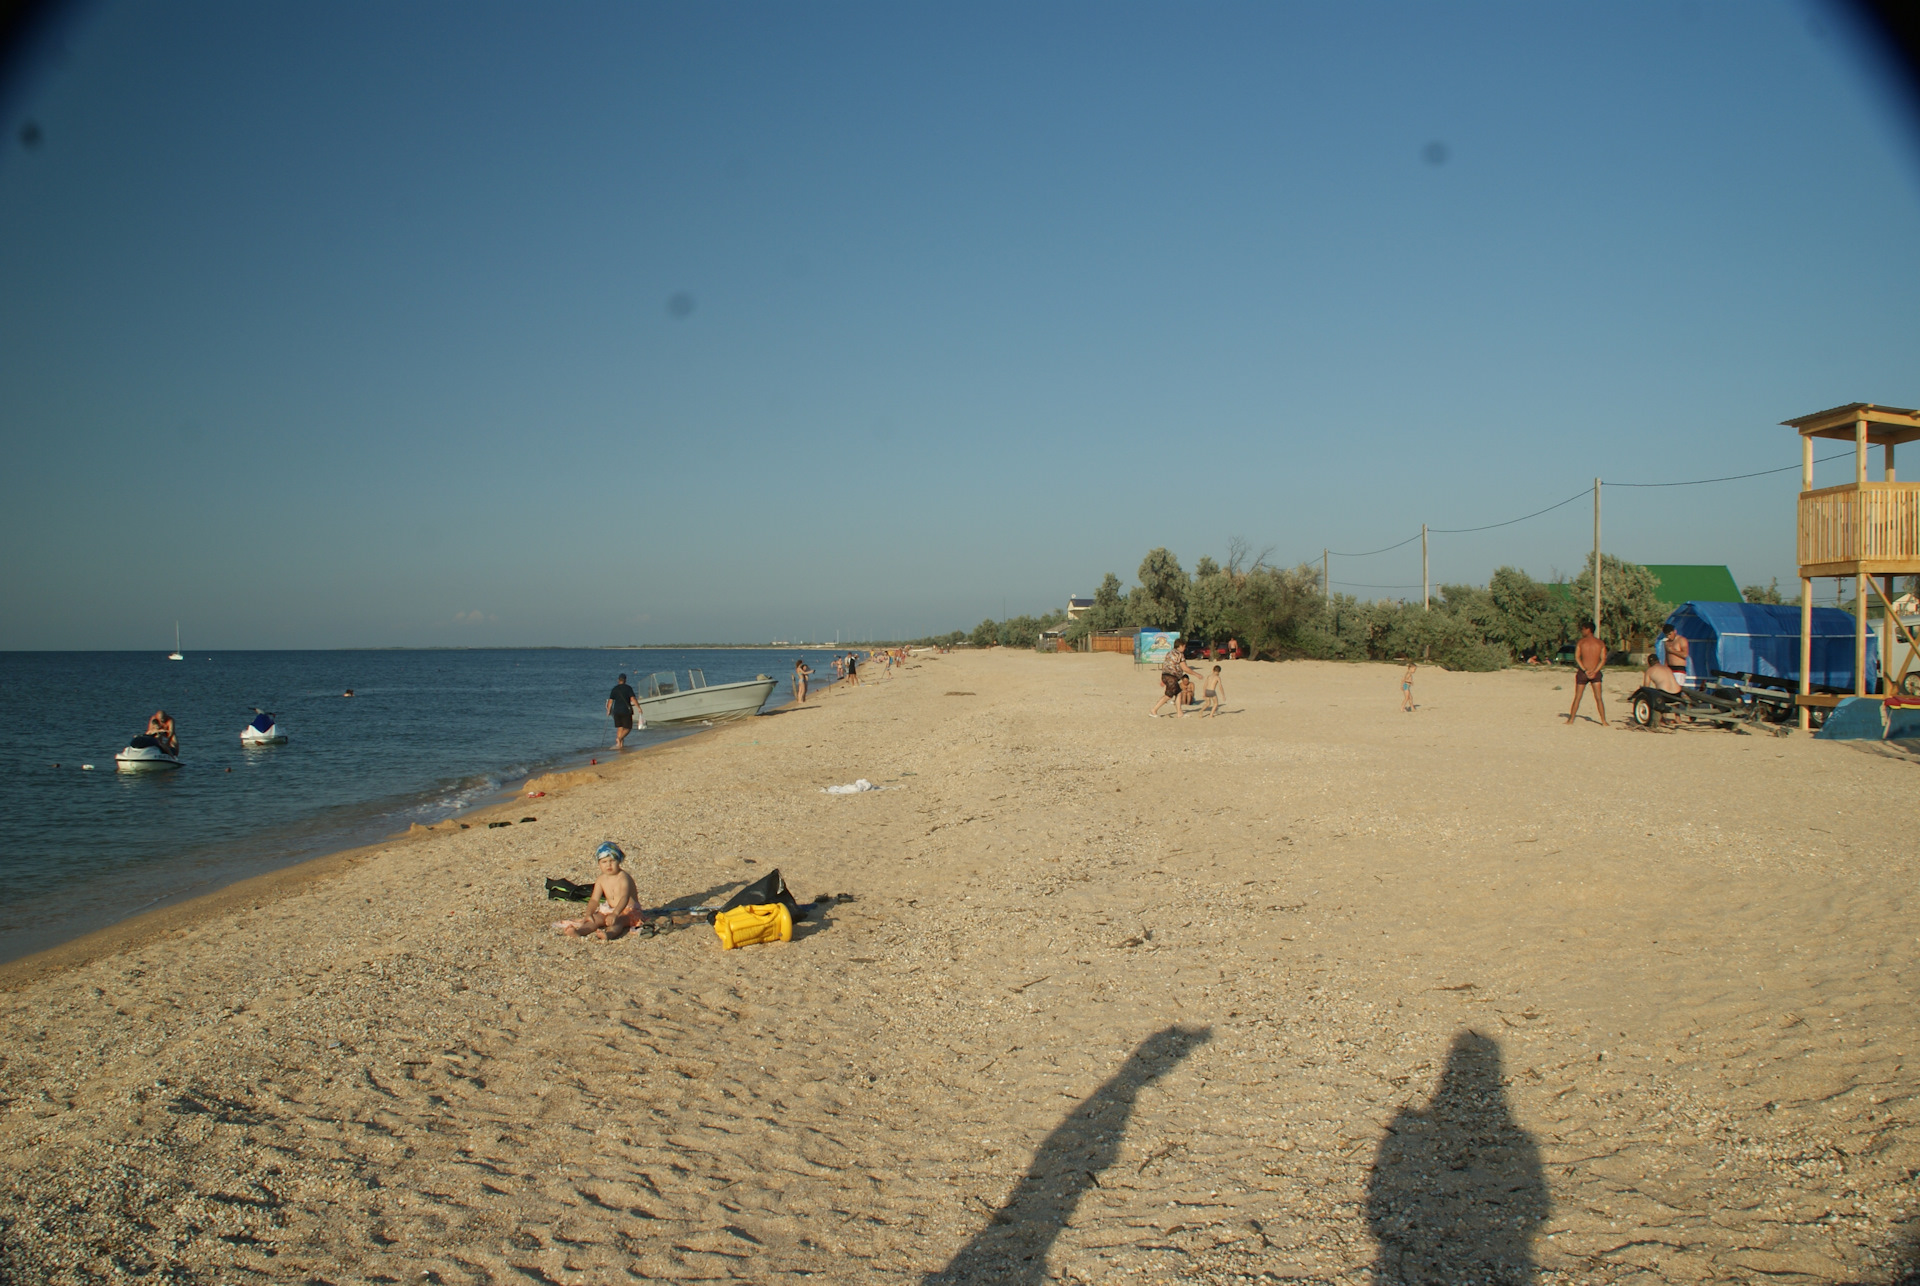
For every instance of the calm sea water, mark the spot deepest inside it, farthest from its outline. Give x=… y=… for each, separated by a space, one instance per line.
x=425 y=735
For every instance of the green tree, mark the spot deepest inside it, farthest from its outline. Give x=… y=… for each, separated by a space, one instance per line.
x=1213 y=605
x=1533 y=619
x=1630 y=601
x=1767 y=593
x=985 y=634
x=1159 y=602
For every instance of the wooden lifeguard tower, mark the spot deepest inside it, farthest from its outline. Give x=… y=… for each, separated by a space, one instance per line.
x=1860 y=530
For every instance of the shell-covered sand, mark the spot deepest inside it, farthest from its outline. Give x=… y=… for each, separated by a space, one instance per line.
x=1314 y=991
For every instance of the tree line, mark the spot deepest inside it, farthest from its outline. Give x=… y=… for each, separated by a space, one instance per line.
x=1279 y=612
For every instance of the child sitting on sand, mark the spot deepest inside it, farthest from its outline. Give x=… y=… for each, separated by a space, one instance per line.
x=618 y=898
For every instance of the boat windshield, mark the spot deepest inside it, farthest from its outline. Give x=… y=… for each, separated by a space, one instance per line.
x=661 y=684
x=696 y=679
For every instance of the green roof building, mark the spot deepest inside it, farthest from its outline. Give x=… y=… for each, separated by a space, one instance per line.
x=1694 y=582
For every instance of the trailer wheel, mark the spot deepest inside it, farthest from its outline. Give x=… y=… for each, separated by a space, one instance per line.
x=1643 y=712
x=1911 y=684
x=1817 y=717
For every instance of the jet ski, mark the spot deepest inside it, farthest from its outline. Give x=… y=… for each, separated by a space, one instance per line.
x=144 y=753
x=263 y=731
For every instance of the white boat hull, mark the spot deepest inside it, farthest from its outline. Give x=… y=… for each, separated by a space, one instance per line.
x=249 y=737
x=144 y=759
x=714 y=704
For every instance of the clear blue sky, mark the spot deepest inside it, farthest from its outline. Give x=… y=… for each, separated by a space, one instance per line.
x=354 y=324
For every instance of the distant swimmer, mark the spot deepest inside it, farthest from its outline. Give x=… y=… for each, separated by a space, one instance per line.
x=1589 y=666
x=347 y=693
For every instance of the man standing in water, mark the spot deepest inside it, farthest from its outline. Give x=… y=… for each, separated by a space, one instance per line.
x=623 y=704
x=1589 y=663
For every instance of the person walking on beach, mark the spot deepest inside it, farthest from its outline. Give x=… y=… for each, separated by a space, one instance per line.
x=853 y=669
x=623 y=704
x=1406 y=686
x=800 y=672
x=1172 y=671
x=1589 y=664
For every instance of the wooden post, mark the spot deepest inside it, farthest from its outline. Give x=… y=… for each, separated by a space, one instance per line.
x=1859 y=635
x=1426 y=586
x=1806 y=591
x=1888 y=448
x=1860 y=452
x=1596 y=558
x=1326 y=582
x=1806 y=644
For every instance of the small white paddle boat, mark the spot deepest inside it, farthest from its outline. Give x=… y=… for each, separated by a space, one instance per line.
x=144 y=754
x=263 y=731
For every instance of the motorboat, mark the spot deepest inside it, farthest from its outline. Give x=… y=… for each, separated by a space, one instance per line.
x=666 y=700
x=263 y=731
x=146 y=754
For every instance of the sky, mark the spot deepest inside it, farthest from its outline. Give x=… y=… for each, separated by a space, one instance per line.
x=495 y=324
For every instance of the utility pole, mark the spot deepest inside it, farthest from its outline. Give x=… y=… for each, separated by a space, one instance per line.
x=1596 y=558
x=1326 y=584
x=1426 y=585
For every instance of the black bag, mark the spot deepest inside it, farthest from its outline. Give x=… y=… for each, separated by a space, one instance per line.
x=568 y=891
x=768 y=889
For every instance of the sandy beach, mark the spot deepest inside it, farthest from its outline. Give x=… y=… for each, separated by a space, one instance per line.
x=1314 y=991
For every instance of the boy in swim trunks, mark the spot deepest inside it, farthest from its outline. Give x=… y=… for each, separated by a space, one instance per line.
x=1406 y=686
x=1589 y=664
x=618 y=900
x=1213 y=694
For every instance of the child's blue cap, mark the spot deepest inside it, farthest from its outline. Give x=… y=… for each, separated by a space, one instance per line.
x=609 y=849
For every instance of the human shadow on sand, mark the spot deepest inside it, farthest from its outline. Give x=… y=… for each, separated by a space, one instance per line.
x=1457 y=1191
x=1012 y=1249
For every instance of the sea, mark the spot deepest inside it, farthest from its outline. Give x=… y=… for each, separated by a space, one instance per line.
x=425 y=736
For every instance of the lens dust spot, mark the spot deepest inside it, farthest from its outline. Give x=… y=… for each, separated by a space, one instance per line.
x=680 y=305
x=1434 y=153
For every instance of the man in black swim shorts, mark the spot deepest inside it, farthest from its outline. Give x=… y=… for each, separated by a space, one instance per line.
x=621 y=704
x=1589 y=666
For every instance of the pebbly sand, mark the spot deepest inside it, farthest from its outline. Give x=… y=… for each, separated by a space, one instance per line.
x=1316 y=991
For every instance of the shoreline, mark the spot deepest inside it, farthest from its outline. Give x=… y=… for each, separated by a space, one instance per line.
x=181 y=912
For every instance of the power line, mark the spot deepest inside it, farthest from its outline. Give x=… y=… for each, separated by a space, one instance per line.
x=1578 y=495
x=1354 y=584
x=1732 y=477
x=1371 y=552
x=1455 y=531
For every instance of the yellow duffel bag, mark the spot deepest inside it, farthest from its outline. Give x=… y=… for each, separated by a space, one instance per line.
x=745 y=925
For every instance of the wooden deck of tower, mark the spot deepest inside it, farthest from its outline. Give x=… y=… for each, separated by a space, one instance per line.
x=1862 y=529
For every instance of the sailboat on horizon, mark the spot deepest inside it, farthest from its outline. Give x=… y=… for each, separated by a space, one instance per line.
x=175 y=654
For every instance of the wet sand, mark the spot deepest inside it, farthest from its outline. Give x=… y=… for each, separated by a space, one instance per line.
x=1315 y=991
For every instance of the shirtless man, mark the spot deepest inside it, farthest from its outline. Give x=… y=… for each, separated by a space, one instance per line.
x=1589 y=663
x=618 y=900
x=1674 y=645
x=1661 y=676
x=160 y=728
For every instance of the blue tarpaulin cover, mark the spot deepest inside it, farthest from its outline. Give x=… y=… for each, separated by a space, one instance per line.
x=1763 y=640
